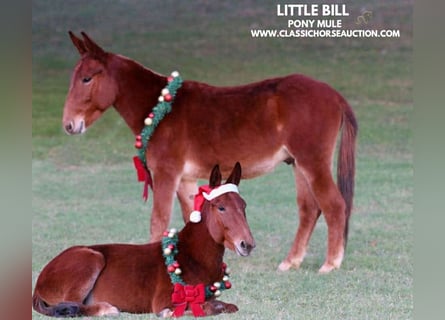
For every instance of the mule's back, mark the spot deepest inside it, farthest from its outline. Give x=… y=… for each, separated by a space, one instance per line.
x=260 y=124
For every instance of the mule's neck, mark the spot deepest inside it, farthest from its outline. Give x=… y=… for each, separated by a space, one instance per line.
x=138 y=90
x=200 y=253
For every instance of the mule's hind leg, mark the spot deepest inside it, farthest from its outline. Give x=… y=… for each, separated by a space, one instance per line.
x=65 y=284
x=70 y=276
x=332 y=205
x=308 y=212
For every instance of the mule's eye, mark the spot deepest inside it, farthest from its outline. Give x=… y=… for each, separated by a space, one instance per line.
x=221 y=209
x=86 y=79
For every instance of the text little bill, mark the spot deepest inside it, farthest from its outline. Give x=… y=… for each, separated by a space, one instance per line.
x=312 y=10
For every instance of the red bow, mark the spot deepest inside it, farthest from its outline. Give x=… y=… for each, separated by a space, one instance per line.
x=192 y=296
x=143 y=175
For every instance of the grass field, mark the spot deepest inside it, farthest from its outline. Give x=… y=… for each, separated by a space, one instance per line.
x=85 y=190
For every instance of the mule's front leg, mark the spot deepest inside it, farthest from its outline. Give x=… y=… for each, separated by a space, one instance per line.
x=164 y=187
x=186 y=195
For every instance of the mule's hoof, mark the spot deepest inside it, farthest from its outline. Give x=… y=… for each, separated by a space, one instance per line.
x=110 y=311
x=216 y=307
x=114 y=312
x=166 y=313
x=230 y=308
x=326 y=268
x=286 y=265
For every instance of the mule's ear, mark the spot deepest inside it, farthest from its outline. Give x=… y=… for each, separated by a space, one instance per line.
x=215 y=177
x=235 y=176
x=78 y=43
x=92 y=47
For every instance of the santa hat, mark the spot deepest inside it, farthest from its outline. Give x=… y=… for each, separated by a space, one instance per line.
x=207 y=193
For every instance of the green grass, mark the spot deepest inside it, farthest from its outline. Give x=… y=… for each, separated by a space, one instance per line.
x=85 y=189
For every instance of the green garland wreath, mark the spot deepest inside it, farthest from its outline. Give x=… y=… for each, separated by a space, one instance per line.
x=158 y=112
x=170 y=250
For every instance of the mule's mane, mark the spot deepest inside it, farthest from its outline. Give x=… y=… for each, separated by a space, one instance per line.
x=140 y=67
x=136 y=64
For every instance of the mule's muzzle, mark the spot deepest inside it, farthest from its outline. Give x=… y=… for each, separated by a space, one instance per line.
x=243 y=248
x=72 y=127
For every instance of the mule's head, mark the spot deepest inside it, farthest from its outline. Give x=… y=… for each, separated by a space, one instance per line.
x=92 y=89
x=226 y=216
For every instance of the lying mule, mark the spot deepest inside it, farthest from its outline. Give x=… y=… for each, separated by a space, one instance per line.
x=182 y=274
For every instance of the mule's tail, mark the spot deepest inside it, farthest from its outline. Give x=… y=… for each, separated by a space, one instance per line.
x=61 y=310
x=346 y=161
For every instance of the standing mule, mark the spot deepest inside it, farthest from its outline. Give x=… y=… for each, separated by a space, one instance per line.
x=107 y=279
x=294 y=119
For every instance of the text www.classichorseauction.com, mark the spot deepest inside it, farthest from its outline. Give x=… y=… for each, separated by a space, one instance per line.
x=322 y=21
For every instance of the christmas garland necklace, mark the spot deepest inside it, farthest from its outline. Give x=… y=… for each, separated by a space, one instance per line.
x=184 y=294
x=170 y=250
x=163 y=107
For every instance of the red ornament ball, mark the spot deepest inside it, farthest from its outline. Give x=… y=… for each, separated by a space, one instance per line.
x=138 y=137
x=170 y=268
x=213 y=288
x=175 y=264
x=168 y=97
x=165 y=234
x=228 y=285
x=151 y=115
x=170 y=78
x=138 y=144
x=171 y=246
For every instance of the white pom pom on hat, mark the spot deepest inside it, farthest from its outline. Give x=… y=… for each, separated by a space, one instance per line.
x=195 y=216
